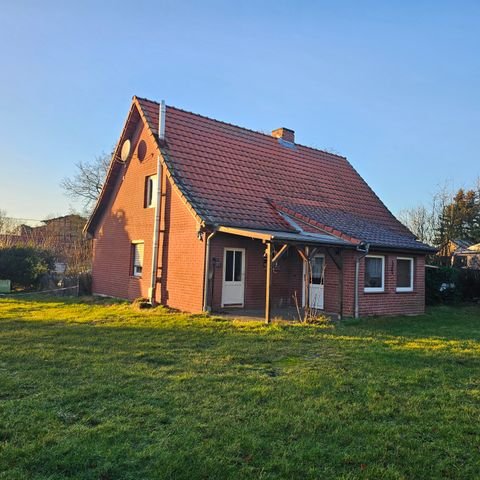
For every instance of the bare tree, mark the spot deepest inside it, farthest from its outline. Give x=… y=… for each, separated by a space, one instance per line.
x=3 y=222
x=420 y=221
x=425 y=221
x=8 y=227
x=86 y=184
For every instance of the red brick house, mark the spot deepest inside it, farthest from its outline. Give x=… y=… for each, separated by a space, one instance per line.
x=198 y=214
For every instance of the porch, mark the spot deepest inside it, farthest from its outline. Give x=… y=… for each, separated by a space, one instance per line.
x=274 y=275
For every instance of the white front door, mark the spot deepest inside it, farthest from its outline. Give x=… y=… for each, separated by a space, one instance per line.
x=316 y=287
x=233 y=290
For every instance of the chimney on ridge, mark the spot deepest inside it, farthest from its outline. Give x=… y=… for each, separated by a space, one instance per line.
x=285 y=134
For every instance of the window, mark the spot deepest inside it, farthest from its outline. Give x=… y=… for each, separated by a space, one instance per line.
x=150 y=191
x=233 y=265
x=404 y=274
x=137 y=259
x=374 y=273
x=317 y=270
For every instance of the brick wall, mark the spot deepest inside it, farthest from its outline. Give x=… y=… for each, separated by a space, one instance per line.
x=125 y=220
x=392 y=302
x=183 y=257
x=389 y=302
x=181 y=254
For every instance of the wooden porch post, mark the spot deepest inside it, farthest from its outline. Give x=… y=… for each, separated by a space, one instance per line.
x=306 y=280
x=268 y=252
x=305 y=277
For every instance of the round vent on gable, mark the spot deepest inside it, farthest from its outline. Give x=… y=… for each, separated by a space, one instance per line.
x=126 y=147
x=142 y=150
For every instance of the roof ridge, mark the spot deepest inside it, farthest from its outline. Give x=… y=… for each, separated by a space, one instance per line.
x=239 y=126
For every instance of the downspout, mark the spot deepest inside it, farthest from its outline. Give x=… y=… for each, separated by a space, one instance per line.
x=158 y=206
x=207 y=271
x=362 y=247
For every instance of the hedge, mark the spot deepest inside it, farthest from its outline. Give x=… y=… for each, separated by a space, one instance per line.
x=450 y=285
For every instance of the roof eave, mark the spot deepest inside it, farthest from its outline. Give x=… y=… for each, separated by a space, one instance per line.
x=199 y=216
x=90 y=226
x=391 y=248
x=269 y=237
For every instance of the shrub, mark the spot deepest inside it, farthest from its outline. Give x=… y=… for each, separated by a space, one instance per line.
x=85 y=283
x=469 y=283
x=442 y=285
x=451 y=285
x=24 y=266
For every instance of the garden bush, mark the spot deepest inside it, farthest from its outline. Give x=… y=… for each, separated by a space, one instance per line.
x=469 y=283
x=449 y=285
x=441 y=285
x=24 y=266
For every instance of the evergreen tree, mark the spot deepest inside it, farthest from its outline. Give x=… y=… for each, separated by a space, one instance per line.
x=459 y=219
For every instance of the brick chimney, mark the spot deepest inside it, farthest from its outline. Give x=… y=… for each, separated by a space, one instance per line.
x=285 y=134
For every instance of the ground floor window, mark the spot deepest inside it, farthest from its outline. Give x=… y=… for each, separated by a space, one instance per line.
x=404 y=274
x=137 y=259
x=374 y=273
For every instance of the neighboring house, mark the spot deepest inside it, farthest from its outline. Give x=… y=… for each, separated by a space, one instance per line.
x=245 y=220
x=467 y=257
x=63 y=230
x=446 y=251
x=458 y=253
x=61 y=235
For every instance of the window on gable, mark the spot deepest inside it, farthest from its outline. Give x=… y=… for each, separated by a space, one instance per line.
x=150 y=191
x=404 y=274
x=374 y=273
x=137 y=259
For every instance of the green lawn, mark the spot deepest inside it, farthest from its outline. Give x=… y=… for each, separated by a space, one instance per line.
x=104 y=391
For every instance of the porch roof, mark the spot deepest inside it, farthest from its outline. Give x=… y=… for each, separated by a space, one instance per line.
x=298 y=238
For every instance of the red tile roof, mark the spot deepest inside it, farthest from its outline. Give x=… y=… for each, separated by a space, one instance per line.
x=238 y=177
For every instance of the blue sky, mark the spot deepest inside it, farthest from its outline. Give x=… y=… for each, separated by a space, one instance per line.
x=394 y=86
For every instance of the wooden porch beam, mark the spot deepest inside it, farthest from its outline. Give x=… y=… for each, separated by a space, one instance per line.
x=334 y=260
x=307 y=256
x=268 y=282
x=245 y=233
x=302 y=254
x=278 y=255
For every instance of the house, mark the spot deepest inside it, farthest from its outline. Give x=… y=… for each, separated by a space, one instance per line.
x=445 y=254
x=62 y=231
x=199 y=214
x=460 y=253
x=467 y=257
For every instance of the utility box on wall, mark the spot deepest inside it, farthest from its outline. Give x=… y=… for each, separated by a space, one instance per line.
x=5 y=286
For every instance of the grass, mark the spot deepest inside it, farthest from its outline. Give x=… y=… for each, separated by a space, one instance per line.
x=92 y=390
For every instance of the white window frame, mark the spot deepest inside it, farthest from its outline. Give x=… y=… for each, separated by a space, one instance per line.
x=133 y=265
x=412 y=271
x=150 y=191
x=375 y=289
